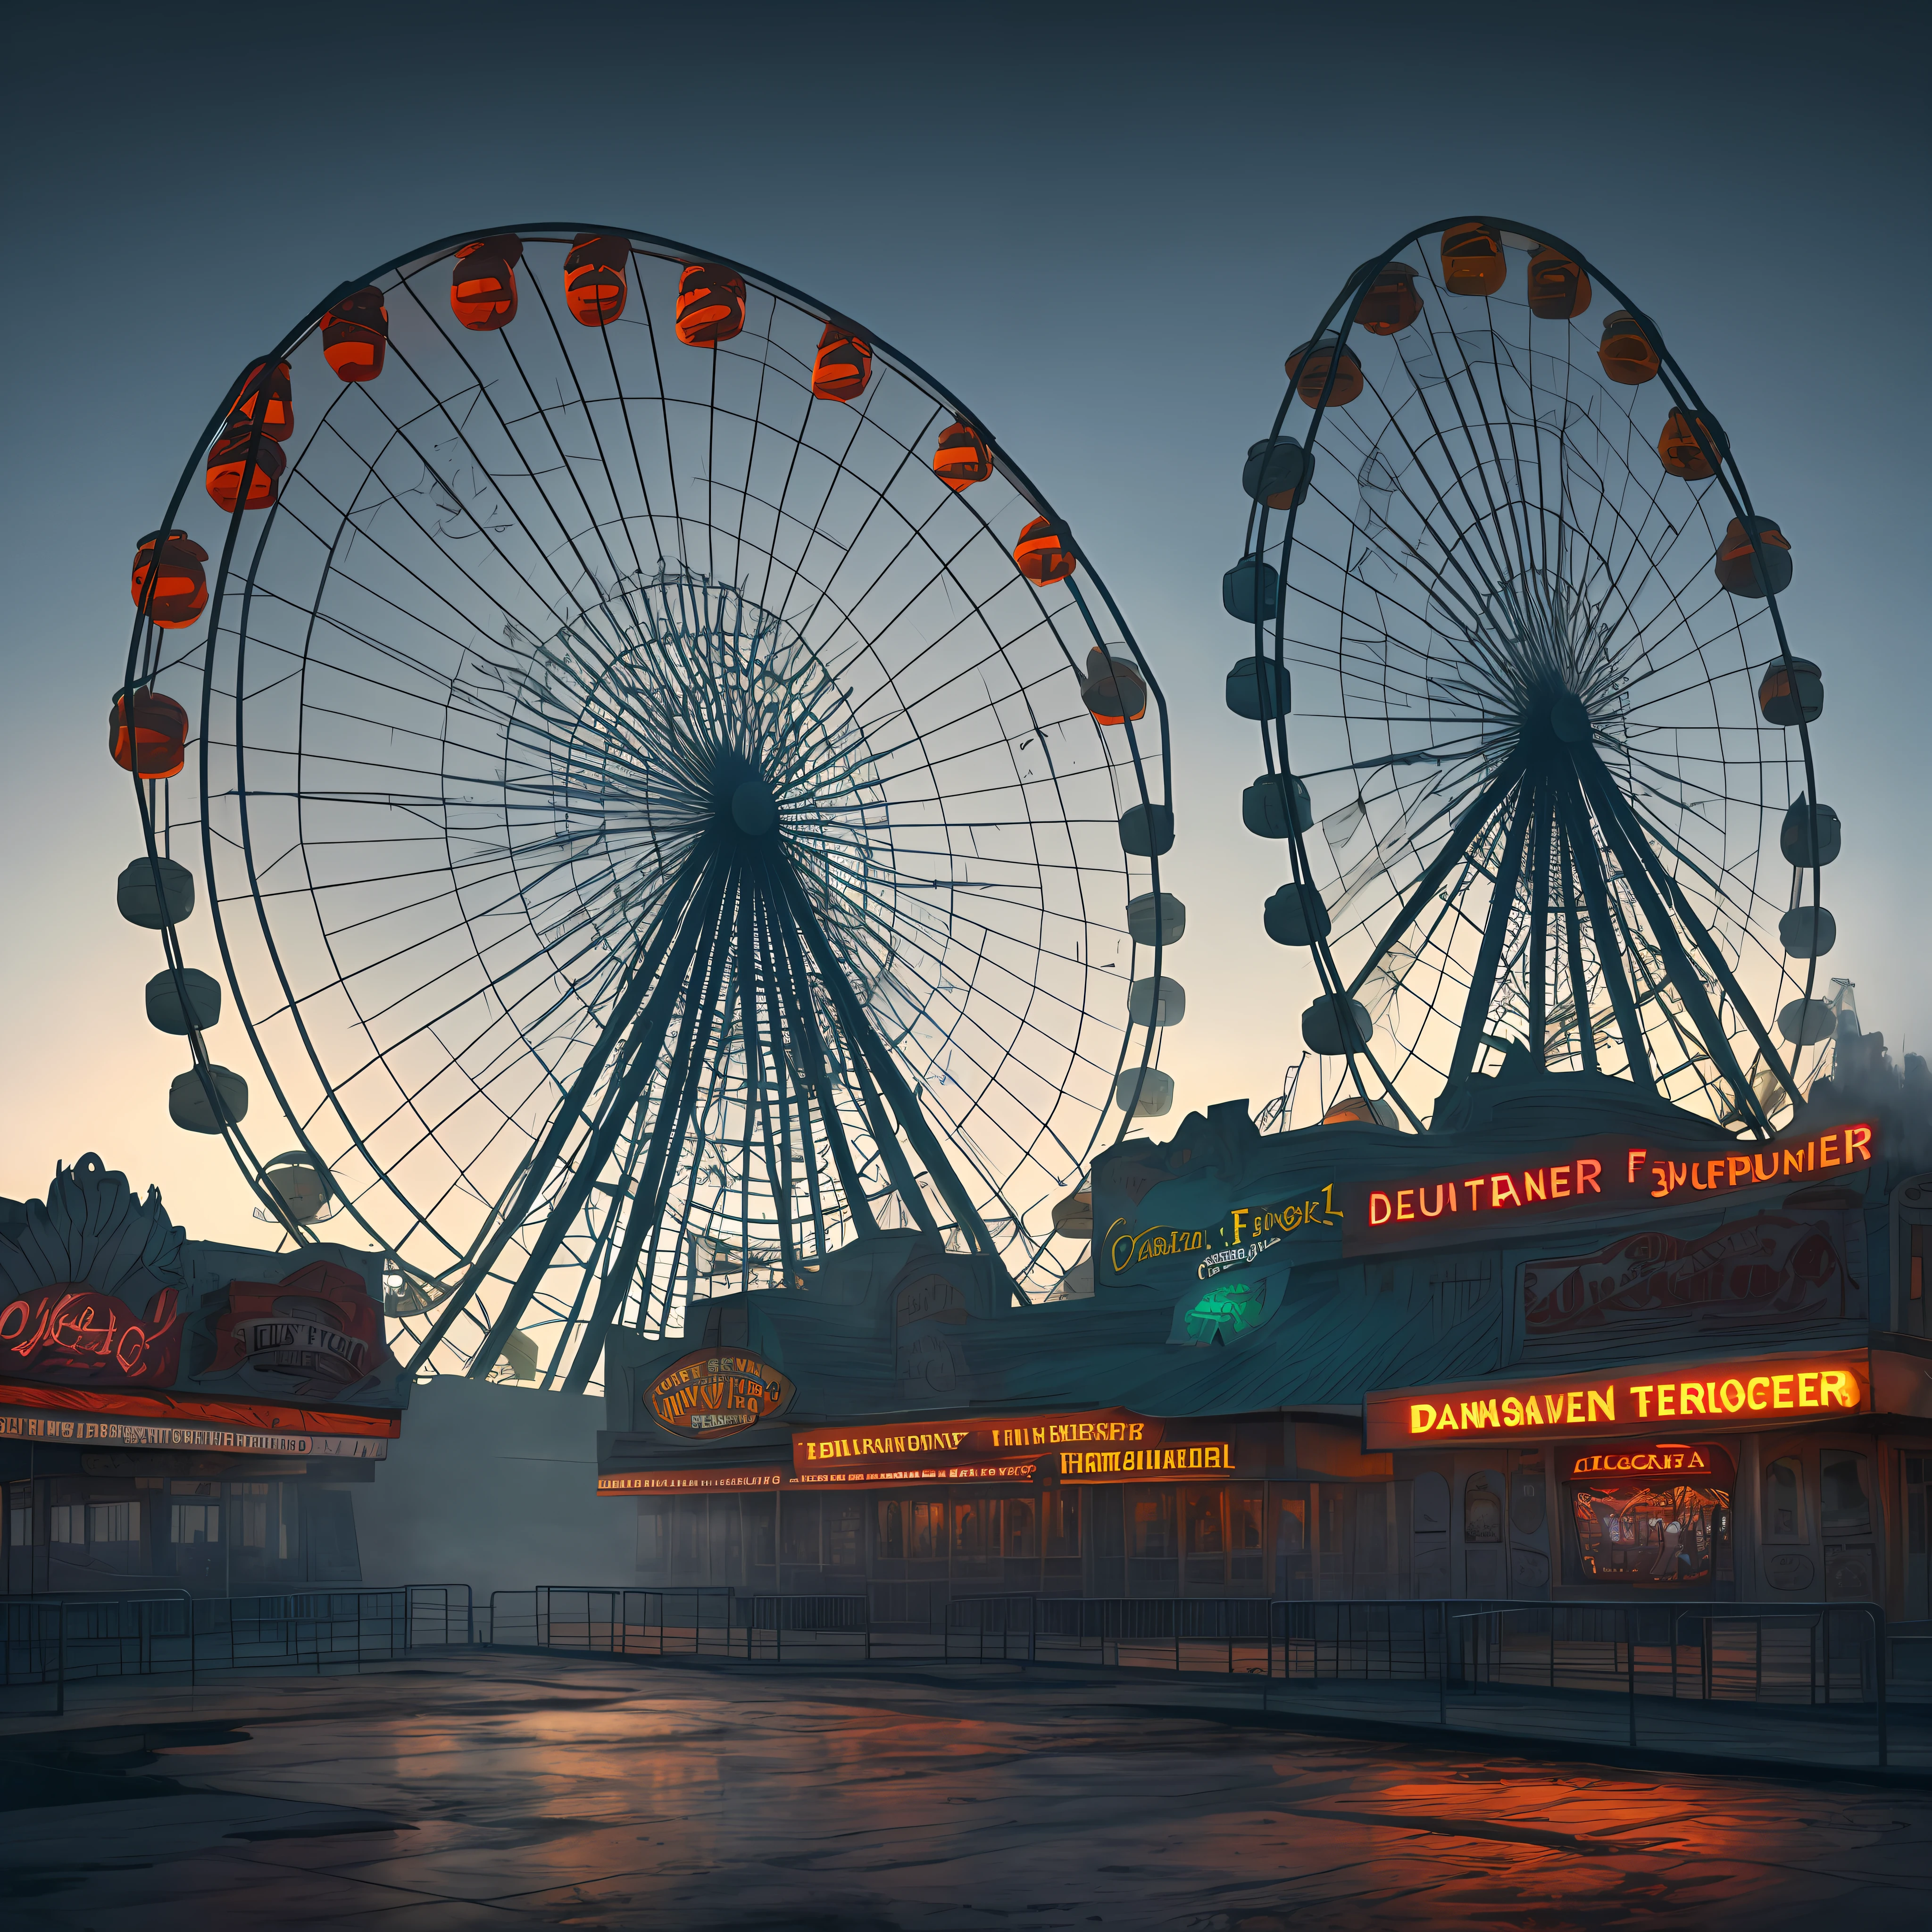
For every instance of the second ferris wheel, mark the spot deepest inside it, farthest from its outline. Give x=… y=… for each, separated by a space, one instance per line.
x=1533 y=738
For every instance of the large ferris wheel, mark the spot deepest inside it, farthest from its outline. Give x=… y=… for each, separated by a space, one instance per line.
x=667 y=794
x=1533 y=738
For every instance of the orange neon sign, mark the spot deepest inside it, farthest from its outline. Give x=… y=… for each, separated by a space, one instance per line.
x=1616 y=1175
x=1748 y=1392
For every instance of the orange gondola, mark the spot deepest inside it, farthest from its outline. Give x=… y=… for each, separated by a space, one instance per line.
x=1308 y=366
x=1680 y=453
x=962 y=458
x=596 y=279
x=229 y=460
x=1559 y=289
x=483 y=284
x=181 y=584
x=710 y=305
x=1735 y=564
x=1472 y=259
x=1627 y=354
x=355 y=336
x=1113 y=690
x=1045 y=551
x=159 y=746
x=266 y=388
x=1391 y=303
x=844 y=366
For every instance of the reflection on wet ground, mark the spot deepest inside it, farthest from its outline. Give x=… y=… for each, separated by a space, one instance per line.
x=506 y=1791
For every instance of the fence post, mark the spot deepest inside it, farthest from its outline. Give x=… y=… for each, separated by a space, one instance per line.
x=1442 y=1664
x=1878 y=1680
x=1629 y=1667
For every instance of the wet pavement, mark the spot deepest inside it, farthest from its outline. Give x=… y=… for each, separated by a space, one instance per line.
x=507 y=1791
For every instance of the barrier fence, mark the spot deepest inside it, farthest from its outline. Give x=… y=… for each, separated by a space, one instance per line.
x=1631 y=1672
x=56 y=1641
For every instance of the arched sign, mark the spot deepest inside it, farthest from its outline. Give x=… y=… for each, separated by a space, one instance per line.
x=716 y=1393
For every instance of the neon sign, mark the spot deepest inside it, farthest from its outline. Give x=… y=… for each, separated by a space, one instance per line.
x=1740 y=1390
x=1618 y=1174
x=716 y=1393
x=1655 y=1458
x=1236 y=1241
x=72 y=1334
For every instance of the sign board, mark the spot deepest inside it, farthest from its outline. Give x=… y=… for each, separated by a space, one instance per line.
x=1694 y=1462
x=975 y=1448
x=1743 y=1391
x=715 y=1393
x=1601 y=1175
x=675 y=1482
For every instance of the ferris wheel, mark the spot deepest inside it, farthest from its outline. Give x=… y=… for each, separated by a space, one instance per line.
x=1533 y=738
x=665 y=804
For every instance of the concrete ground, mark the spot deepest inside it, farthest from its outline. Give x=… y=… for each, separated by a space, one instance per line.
x=508 y=1791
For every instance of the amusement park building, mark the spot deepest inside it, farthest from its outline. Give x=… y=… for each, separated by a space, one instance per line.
x=181 y=1414
x=1584 y=1345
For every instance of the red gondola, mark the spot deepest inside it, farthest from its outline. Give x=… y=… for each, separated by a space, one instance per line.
x=710 y=305
x=1679 y=450
x=483 y=284
x=1308 y=367
x=962 y=458
x=355 y=336
x=265 y=388
x=1391 y=303
x=596 y=279
x=1736 y=562
x=844 y=366
x=1626 y=353
x=1559 y=289
x=159 y=746
x=181 y=584
x=229 y=460
x=1045 y=551
x=1472 y=259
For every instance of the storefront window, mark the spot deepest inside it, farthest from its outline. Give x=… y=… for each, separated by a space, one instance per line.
x=20 y=1525
x=194 y=1522
x=1019 y=1531
x=1483 y=1508
x=1783 y=1501
x=653 y=1544
x=798 y=1531
x=1658 y=1533
x=844 y=1518
x=926 y=1531
x=1204 y=1533
x=1152 y=1519
x=68 y=1524
x=1063 y=1522
x=1844 y=1500
x=892 y=1529
x=969 y=1530
x=1244 y=1535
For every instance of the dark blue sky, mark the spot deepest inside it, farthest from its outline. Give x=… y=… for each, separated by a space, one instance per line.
x=1103 y=226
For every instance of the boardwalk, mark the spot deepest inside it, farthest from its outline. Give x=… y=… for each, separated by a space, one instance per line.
x=498 y=1791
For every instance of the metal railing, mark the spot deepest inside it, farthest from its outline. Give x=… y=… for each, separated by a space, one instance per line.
x=58 y=1640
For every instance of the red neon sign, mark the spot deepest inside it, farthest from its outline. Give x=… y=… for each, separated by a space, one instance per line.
x=1617 y=1174
x=68 y=1333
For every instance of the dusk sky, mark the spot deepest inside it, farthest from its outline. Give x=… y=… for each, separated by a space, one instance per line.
x=1103 y=226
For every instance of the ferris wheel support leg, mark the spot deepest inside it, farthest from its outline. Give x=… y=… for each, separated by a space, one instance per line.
x=791 y=984
x=1636 y=858
x=1610 y=959
x=1461 y=838
x=1579 y=987
x=1713 y=954
x=779 y=1182
x=572 y=1109
x=673 y=1116
x=695 y=932
x=1539 y=922
x=859 y=1029
x=1496 y=931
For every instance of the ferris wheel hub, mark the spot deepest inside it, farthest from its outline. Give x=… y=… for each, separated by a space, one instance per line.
x=753 y=810
x=1570 y=720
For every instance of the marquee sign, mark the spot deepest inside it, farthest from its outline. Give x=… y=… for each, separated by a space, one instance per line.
x=1745 y=1391
x=977 y=1448
x=717 y=1392
x=1698 y=1462
x=676 y=1482
x=1242 y=1237
x=1612 y=1175
x=70 y=1333
x=317 y=1333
